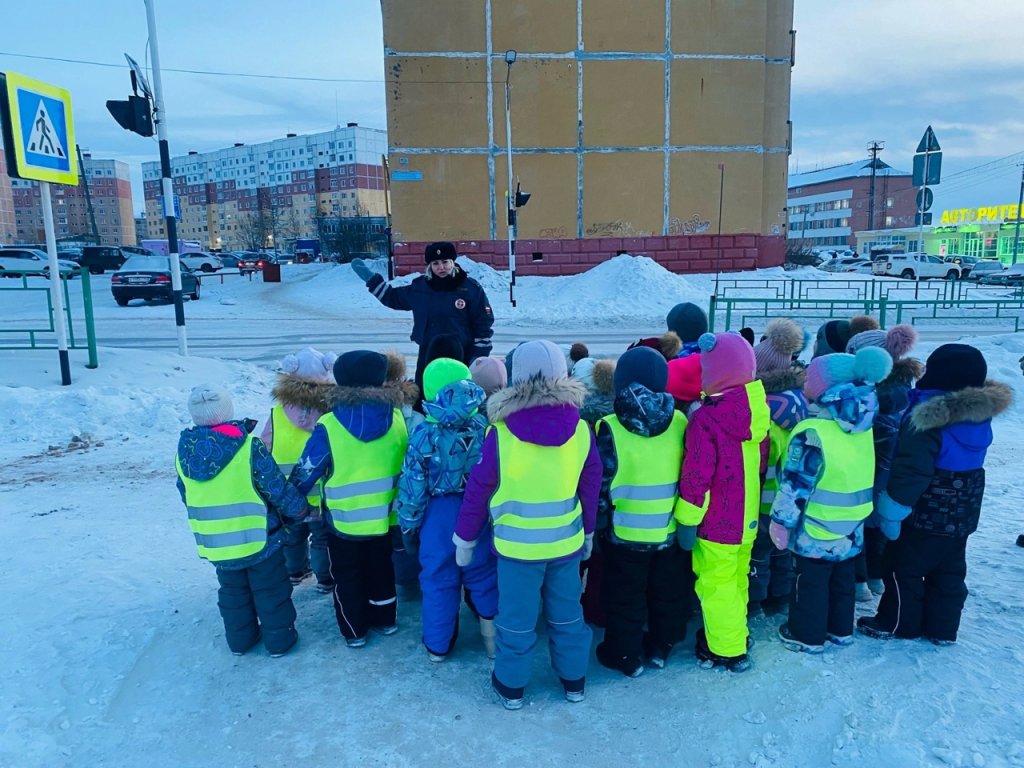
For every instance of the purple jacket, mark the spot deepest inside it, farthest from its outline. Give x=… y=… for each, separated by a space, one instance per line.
x=714 y=470
x=534 y=418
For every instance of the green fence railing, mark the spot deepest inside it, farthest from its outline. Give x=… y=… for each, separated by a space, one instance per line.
x=866 y=289
x=43 y=334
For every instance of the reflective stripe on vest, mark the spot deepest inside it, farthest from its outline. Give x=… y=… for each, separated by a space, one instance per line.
x=227 y=516
x=645 y=487
x=778 y=439
x=537 y=515
x=288 y=444
x=360 y=491
x=843 y=498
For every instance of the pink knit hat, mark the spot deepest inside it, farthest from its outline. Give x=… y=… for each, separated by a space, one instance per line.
x=489 y=374
x=783 y=340
x=726 y=361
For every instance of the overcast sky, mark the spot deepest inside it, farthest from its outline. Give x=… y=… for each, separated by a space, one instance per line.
x=866 y=69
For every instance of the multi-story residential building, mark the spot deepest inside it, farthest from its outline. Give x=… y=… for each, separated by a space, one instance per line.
x=105 y=186
x=141 y=228
x=8 y=231
x=268 y=194
x=648 y=127
x=828 y=206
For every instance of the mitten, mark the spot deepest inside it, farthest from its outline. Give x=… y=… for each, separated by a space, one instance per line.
x=363 y=272
x=463 y=550
x=779 y=535
x=588 y=546
x=411 y=541
x=686 y=537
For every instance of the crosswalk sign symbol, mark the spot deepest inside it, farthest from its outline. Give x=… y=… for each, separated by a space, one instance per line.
x=38 y=130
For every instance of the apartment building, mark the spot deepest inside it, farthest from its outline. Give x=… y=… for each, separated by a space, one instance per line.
x=8 y=231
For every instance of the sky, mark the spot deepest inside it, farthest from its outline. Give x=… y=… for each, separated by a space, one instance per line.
x=866 y=70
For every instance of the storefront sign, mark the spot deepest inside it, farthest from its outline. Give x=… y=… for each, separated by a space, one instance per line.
x=991 y=213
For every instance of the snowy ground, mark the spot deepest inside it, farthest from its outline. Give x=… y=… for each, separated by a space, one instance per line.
x=113 y=647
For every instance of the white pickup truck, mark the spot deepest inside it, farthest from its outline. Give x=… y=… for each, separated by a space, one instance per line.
x=914 y=266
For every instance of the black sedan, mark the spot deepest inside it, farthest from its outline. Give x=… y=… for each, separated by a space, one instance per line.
x=149 y=277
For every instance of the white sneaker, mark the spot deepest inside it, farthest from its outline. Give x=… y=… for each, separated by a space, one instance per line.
x=575 y=697
x=489 y=633
x=863 y=593
x=386 y=630
x=840 y=639
x=435 y=658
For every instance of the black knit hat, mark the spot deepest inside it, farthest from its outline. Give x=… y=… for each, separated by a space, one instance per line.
x=952 y=367
x=445 y=345
x=687 y=320
x=641 y=365
x=439 y=252
x=361 y=368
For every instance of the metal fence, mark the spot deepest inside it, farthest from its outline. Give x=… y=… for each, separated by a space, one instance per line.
x=43 y=334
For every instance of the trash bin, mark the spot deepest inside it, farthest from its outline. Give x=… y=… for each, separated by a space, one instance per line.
x=271 y=273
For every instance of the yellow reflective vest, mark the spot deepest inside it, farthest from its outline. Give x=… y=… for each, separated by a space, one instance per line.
x=289 y=440
x=226 y=514
x=645 y=488
x=535 y=510
x=360 y=491
x=843 y=497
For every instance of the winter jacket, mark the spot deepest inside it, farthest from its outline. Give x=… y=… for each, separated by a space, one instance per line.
x=719 y=492
x=303 y=401
x=441 y=451
x=644 y=413
x=600 y=400
x=938 y=475
x=204 y=451
x=454 y=305
x=366 y=412
x=893 y=401
x=787 y=406
x=668 y=344
x=853 y=407
x=539 y=411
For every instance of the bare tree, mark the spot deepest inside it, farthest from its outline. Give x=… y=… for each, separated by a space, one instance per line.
x=254 y=228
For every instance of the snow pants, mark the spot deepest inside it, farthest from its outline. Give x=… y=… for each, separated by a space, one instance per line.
x=522 y=588
x=305 y=548
x=924 y=585
x=364 y=583
x=257 y=598
x=442 y=580
x=641 y=587
x=823 y=599
x=870 y=564
x=771 y=570
x=722 y=588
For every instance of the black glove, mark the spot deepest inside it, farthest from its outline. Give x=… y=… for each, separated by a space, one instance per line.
x=411 y=541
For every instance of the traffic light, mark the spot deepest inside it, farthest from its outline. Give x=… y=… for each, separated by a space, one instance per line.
x=522 y=198
x=133 y=115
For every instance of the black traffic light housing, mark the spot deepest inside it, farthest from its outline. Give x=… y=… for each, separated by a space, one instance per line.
x=522 y=198
x=133 y=115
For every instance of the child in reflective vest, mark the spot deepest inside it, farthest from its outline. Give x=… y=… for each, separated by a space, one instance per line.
x=538 y=479
x=720 y=491
x=826 y=492
x=356 y=450
x=441 y=452
x=303 y=384
x=237 y=500
x=647 y=578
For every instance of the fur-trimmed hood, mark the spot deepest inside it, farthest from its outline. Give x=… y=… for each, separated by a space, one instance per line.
x=533 y=392
x=397 y=377
x=784 y=380
x=302 y=393
x=972 y=404
x=905 y=371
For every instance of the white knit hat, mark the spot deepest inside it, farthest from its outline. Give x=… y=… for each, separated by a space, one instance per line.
x=310 y=365
x=209 y=405
x=538 y=358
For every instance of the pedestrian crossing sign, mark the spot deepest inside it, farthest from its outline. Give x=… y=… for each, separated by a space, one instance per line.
x=39 y=134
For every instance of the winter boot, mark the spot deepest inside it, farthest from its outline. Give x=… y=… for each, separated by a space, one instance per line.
x=793 y=644
x=389 y=630
x=627 y=666
x=776 y=605
x=511 y=698
x=283 y=651
x=488 y=633
x=868 y=625
x=300 y=576
x=658 y=654
x=259 y=636
x=840 y=640
x=863 y=593
x=877 y=587
x=325 y=587
x=355 y=642
x=574 y=692
x=709 y=659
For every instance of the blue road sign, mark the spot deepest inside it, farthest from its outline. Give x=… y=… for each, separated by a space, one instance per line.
x=40 y=133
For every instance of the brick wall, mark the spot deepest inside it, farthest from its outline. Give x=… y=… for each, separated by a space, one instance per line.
x=677 y=253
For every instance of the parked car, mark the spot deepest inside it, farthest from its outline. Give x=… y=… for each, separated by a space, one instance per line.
x=983 y=269
x=69 y=254
x=149 y=277
x=15 y=262
x=915 y=266
x=1012 y=276
x=229 y=260
x=966 y=263
x=842 y=264
x=864 y=268
x=99 y=258
x=250 y=262
x=204 y=262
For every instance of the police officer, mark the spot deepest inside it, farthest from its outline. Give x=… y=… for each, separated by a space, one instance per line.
x=444 y=301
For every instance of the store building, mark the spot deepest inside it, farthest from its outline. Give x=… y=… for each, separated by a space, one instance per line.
x=653 y=127
x=269 y=194
x=826 y=207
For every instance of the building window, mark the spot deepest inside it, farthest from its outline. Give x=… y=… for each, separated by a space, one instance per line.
x=889 y=220
x=889 y=202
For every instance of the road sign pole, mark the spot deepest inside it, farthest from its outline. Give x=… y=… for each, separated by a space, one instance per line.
x=160 y=120
x=921 y=210
x=57 y=296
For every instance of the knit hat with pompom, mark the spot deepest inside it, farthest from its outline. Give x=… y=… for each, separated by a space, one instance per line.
x=869 y=366
x=310 y=365
x=783 y=340
x=897 y=341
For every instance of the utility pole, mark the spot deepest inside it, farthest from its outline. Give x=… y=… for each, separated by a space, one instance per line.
x=874 y=148
x=1020 y=203
x=88 y=197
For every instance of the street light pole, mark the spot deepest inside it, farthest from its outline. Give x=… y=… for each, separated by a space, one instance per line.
x=510 y=58
x=1020 y=204
x=160 y=120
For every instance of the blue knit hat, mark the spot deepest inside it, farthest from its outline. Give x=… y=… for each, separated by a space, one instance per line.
x=641 y=365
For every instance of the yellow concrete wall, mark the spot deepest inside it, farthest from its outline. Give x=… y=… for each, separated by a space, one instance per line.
x=721 y=110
